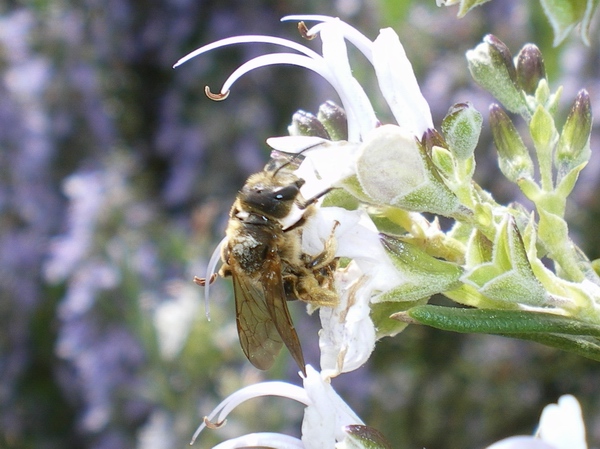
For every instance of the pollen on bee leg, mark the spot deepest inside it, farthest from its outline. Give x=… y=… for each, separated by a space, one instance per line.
x=216 y=97
x=202 y=281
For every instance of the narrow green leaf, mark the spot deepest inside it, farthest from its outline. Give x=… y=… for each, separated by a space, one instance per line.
x=588 y=347
x=486 y=321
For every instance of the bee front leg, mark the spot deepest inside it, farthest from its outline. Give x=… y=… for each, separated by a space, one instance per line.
x=327 y=256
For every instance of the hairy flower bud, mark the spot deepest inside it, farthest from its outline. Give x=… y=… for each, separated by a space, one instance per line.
x=461 y=128
x=491 y=65
x=514 y=159
x=334 y=120
x=530 y=68
x=306 y=124
x=393 y=169
x=574 y=143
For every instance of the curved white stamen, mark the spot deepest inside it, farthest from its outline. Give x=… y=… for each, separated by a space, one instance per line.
x=282 y=389
x=262 y=439
x=210 y=269
x=315 y=64
x=358 y=39
x=248 y=39
x=361 y=117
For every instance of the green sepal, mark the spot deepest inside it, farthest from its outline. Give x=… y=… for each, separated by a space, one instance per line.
x=513 y=156
x=381 y=312
x=341 y=198
x=363 y=437
x=461 y=128
x=544 y=136
x=567 y=182
x=508 y=278
x=479 y=249
x=423 y=274
x=444 y=161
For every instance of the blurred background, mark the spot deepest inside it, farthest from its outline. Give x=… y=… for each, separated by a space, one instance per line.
x=116 y=177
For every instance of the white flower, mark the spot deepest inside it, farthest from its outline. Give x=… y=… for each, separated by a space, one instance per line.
x=325 y=415
x=347 y=337
x=561 y=427
x=394 y=72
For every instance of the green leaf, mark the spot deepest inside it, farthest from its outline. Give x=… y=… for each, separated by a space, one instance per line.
x=588 y=347
x=486 y=321
x=551 y=330
x=564 y=15
x=381 y=312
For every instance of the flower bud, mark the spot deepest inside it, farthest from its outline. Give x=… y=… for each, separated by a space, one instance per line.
x=514 y=159
x=574 y=143
x=334 y=120
x=363 y=437
x=306 y=124
x=461 y=128
x=394 y=170
x=530 y=68
x=491 y=66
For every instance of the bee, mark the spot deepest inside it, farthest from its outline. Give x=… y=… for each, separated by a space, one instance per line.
x=263 y=256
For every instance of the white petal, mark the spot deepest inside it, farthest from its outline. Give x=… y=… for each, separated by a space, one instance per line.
x=347 y=337
x=264 y=439
x=562 y=424
x=325 y=167
x=360 y=113
x=521 y=442
x=357 y=238
x=325 y=418
x=398 y=84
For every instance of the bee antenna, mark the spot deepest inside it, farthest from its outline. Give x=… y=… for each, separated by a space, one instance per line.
x=294 y=156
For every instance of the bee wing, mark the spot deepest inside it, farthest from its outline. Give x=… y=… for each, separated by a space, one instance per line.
x=258 y=334
x=275 y=297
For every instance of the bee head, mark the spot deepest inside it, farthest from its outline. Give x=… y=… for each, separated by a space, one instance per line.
x=271 y=195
